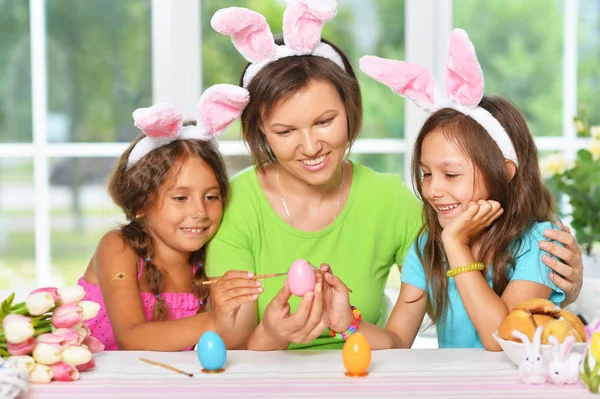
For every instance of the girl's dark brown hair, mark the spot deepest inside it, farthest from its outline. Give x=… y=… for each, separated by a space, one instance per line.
x=285 y=77
x=137 y=189
x=524 y=198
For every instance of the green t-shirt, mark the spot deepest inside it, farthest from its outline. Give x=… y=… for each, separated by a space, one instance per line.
x=374 y=231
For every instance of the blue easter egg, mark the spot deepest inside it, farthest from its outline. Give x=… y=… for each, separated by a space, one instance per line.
x=211 y=350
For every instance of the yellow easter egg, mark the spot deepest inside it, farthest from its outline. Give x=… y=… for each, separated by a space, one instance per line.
x=595 y=347
x=356 y=355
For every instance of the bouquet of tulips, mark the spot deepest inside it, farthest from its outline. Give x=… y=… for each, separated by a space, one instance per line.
x=47 y=333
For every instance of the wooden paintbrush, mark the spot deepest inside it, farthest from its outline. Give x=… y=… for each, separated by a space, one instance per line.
x=166 y=366
x=262 y=276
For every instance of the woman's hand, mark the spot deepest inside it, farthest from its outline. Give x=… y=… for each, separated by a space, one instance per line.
x=336 y=301
x=301 y=327
x=568 y=268
x=228 y=293
x=477 y=217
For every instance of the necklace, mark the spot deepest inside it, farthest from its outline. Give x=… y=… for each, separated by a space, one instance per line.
x=285 y=206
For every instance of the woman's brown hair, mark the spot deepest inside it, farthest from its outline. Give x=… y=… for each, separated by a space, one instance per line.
x=523 y=197
x=285 y=77
x=136 y=190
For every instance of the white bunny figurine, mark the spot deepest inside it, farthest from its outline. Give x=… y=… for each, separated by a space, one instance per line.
x=532 y=369
x=564 y=368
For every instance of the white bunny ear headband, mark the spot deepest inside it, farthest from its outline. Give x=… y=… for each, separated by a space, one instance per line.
x=463 y=83
x=162 y=123
x=303 y=22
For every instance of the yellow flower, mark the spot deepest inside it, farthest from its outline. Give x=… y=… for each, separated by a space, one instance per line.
x=555 y=164
x=579 y=126
x=595 y=347
x=595 y=132
x=595 y=149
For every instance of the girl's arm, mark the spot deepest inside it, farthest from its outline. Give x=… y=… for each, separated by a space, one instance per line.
x=124 y=305
x=484 y=307
x=402 y=326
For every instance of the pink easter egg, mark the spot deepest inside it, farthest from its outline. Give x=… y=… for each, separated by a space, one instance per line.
x=301 y=277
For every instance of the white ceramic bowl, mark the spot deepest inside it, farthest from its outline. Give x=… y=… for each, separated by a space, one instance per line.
x=515 y=351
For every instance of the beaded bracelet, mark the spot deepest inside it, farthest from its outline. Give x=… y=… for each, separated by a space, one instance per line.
x=466 y=268
x=352 y=329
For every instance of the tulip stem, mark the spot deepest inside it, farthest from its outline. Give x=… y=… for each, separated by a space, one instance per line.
x=42 y=330
x=16 y=306
x=4 y=345
x=4 y=353
x=22 y=310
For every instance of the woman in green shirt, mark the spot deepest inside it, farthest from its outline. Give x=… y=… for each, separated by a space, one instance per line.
x=304 y=199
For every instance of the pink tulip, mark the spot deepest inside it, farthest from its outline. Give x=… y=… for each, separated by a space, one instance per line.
x=66 y=316
x=24 y=348
x=40 y=374
x=39 y=303
x=93 y=344
x=76 y=355
x=87 y=366
x=64 y=372
x=69 y=336
x=51 y=338
x=17 y=328
x=591 y=328
x=53 y=291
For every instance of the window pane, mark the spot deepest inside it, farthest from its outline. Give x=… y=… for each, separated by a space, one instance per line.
x=17 y=252
x=81 y=213
x=99 y=68
x=15 y=73
x=589 y=58
x=360 y=27
x=521 y=55
x=389 y=163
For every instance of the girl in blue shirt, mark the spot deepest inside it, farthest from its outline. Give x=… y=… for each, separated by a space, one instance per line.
x=475 y=168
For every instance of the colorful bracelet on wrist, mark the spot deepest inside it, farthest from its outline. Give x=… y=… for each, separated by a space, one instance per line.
x=466 y=268
x=352 y=329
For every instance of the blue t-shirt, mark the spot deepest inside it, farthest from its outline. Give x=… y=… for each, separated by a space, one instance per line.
x=458 y=330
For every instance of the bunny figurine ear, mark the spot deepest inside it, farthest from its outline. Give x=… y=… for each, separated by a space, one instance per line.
x=404 y=78
x=565 y=348
x=463 y=78
x=519 y=335
x=161 y=120
x=303 y=22
x=220 y=105
x=249 y=31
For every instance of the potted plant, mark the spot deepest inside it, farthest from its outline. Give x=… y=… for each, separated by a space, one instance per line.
x=579 y=181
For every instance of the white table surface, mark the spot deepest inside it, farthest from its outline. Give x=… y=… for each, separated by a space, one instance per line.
x=414 y=373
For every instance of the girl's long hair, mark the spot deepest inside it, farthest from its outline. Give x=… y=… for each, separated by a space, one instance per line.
x=524 y=198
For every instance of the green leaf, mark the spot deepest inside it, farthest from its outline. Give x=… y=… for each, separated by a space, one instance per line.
x=586 y=364
x=594 y=383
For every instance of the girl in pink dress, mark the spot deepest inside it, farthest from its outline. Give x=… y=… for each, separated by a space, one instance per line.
x=172 y=185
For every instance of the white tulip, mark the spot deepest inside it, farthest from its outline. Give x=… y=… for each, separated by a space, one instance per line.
x=76 y=355
x=46 y=353
x=74 y=293
x=595 y=149
x=40 y=374
x=17 y=328
x=25 y=361
x=40 y=303
x=90 y=309
x=555 y=164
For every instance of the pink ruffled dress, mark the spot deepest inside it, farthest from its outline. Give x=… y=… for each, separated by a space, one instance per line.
x=180 y=304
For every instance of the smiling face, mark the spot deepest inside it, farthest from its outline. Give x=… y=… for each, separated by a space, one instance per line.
x=189 y=208
x=450 y=180
x=308 y=133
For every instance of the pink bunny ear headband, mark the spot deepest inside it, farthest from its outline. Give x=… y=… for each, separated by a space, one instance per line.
x=303 y=22
x=463 y=83
x=162 y=123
